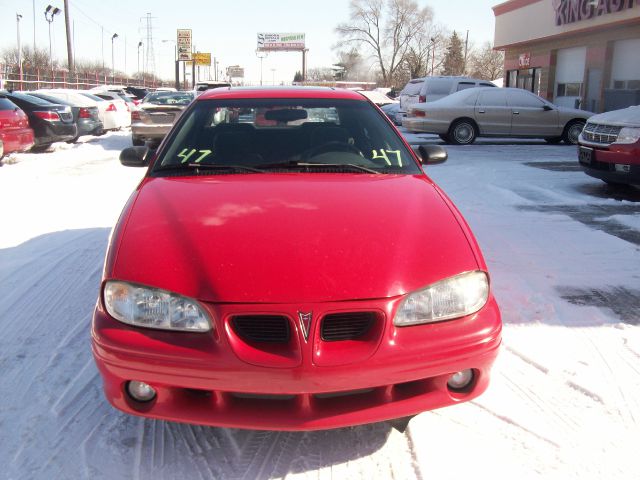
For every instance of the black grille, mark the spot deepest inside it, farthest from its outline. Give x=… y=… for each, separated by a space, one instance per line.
x=346 y=326
x=604 y=134
x=262 y=328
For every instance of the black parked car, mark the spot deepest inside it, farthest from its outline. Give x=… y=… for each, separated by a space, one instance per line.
x=85 y=118
x=50 y=122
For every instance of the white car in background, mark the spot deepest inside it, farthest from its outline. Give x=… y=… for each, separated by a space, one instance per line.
x=111 y=117
x=122 y=107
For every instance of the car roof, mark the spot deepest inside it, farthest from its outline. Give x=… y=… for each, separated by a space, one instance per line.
x=280 y=92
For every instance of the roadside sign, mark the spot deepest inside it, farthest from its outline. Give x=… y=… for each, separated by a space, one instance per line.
x=284 y=42
x=235 y=71
x=202 y=59
x=184 y=44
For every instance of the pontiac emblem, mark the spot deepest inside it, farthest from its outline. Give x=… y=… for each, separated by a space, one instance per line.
x=305 y=323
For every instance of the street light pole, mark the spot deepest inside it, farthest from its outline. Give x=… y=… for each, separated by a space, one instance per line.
x=18 y=17
x=261 y=55
x=49 y=13
x=113 y=69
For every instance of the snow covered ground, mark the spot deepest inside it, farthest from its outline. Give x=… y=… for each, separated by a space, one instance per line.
x=564 y=254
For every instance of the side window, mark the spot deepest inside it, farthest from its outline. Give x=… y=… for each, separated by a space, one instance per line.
x=524 y=99
x=465 y=85
x=492 y=99
x=437 y=86
x=482 y=84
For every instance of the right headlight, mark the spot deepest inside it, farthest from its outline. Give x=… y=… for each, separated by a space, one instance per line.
x=628 y=135
x=154 y=308
x=453 y=297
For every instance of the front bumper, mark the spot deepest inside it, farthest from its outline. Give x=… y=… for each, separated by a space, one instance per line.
x=612 y=163
x=217 y=379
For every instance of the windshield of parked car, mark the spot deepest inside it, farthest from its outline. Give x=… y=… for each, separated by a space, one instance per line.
x=286 y=135
x=169 y=98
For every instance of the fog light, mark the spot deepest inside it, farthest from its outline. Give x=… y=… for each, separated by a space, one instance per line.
x=140 y=391
x=460 y=380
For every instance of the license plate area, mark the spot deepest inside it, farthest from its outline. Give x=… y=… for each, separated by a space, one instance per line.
x=585 y=155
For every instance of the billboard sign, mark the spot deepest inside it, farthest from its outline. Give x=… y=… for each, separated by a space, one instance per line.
x=184 y=44
x=202 y=59
x=270 y=42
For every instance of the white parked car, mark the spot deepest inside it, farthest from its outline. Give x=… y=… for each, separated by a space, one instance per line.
x=111 y=117
x=121 y=105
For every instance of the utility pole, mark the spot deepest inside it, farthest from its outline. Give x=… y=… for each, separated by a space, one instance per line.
x=34 y=27
x=102 y=40
x=18 y=17
x=466 y=47
x=68 y=28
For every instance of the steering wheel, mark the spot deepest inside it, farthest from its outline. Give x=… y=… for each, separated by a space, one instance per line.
x=334 y=146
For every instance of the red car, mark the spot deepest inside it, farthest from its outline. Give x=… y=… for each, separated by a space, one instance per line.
x=609 y=146
x=300 y=275
x=14 y=127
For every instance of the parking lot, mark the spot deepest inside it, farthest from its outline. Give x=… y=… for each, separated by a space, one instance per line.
x=563 y=250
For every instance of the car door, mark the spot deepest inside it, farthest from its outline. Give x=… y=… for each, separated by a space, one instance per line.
x=492 y=114
x=532 y=116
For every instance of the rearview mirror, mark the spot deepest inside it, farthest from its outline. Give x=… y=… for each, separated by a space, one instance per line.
x=134 y=157
x=285 y=115
x=432 y=154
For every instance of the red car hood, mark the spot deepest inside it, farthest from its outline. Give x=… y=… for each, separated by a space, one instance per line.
x=286 y=238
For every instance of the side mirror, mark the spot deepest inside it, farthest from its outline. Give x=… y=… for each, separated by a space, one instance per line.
x=134 y=157
x=546 y=107
x=432 y=154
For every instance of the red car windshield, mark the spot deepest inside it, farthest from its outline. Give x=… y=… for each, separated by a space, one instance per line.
x=310 y=135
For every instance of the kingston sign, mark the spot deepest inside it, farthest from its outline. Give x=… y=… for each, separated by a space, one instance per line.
x=571 y=11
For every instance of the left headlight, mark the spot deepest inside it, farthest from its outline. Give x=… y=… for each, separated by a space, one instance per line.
x=628 y=135
x=154 y=308
x=453 y=297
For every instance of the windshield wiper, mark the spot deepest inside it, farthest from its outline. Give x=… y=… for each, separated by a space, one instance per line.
x=346 y=166
x=207 y=166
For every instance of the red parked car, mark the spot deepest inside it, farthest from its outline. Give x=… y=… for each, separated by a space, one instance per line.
x=609 y=146
x=301 y=275
x=14 y=127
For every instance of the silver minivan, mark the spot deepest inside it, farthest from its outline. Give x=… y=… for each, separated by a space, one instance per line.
x=429 y=89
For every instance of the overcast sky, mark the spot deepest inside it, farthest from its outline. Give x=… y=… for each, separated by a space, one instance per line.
x=226 y=29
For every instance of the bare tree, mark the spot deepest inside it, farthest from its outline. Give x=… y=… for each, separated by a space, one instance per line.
x=30 y=59
x=386 y=30
x=487 y=63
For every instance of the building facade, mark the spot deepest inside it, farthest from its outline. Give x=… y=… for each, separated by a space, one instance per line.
x=582 y=53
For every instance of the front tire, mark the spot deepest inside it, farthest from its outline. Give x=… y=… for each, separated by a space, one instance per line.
x=444 y=137
x=462 y=132
x=553 y=140
x=572 y=131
